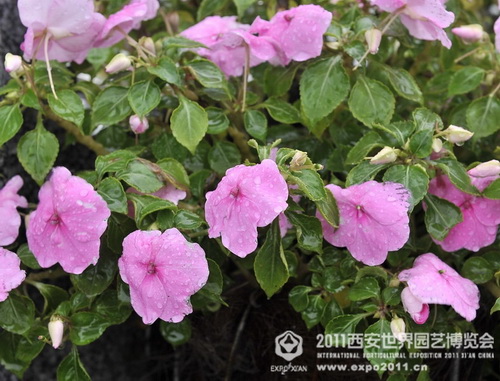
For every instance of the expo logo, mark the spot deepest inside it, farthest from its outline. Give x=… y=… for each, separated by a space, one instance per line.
x=288 y=345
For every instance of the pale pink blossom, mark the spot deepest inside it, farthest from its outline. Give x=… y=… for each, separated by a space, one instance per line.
x=373 y=220
x=496 y=29
x=138 y=125
x=296 y=34
x=56 y=331
x=424 y=19
x=67 y=225
x=11 y=275
x=228 y=44
x=13 y=63
x=469 y=33
x=9 y=202
x=163 y=271
x=431 y=281
x=481 y=216
x=67 y=28
x=247 y=197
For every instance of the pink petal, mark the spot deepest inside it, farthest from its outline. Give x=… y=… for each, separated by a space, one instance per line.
x=9 y=201
x=496 y=29
x=389 y=5
x=386 y=204
x=11 y=275
x=432 y=10
x=418 y=311
x=425 y=30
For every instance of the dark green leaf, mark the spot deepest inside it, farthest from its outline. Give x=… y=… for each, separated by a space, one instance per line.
x=174 y=172
x=165 y=69
x=282 y=111
x=363 y=147
x=413 y=177
x=189 y=123
x=483 y=115
x=309 y=231
x=313 y=313
x=17 y=314
x=222 y=156
x=145 y=205
x=329 y=209
x=243 y=5
x=144 y=97
x=176 y=333
x=52 y=295
x=404 y=84
x=457 y=174
x=11 y=121
x=27 y=257
x=87 y=327
x=217 y=120
x=141 y=176
x=465 y=80
x=111 y=190
x=256 y=124
x=478 y=270
x=440 y=216
x=68 y=106
x=187 y=220
x=111 y=106
x=421 y=143
x=278 y=79
x=109 y=306
x=113 y=162
x=208 y=74
x=72 y=369
x=365 y=288
x=363 y=172
x=493 y=190
x=298 y=297
x=377 y=348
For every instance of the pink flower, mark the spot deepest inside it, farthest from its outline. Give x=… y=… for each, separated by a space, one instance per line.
x=424 y=19
x=481 y=216
x=122 y=22
x=163 y=271
x=246 y=198
x=430 y=280
x=68 y=28
x=496 y=29
x=373 y=220
x=68 y=223
x=296 y=34
x=227 y=43
x=9 y=201
x=138 y=125
x=11 y=275
x=469 y=33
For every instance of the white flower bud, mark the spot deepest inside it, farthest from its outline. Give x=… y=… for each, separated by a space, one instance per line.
x=148 y=44
x=437 y=145
x=373 y=37
x=490 y=168
x=118 y=63
x=56 y=331
x=398 y=329
x=298 y=160
x=13 y=64
x=138 y=125
x=385 y=156
x=457 y=135
x=469 y=33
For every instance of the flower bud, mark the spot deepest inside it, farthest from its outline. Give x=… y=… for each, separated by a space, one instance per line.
x=437 y=145
x=118 y=63
x=385 y=156
x=148 y=44
x=373 y=37
x=490 y=168
x=398 y=329
x=138 y=125
x=456 y=135
x=56 y=331
x=298 y=160
x=469 y=33
x=13 y=64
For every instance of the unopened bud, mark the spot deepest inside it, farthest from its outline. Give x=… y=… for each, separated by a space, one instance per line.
x=13 y=64
x=437 y=145
x=456 y=135
x=373 y=37
x=490 y=168
x=118 y=63
x=148 y=44
x=395 y=282
x=56 y=331
x=385 y=156
x=398 y=329
x=138 y=125
x=334 y=45
x=469 y=33
x=298 y=160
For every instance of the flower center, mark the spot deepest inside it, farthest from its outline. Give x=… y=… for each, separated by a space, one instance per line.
x=151 y=268
x=441 y=271
x=55 y=220
x=288 y=18
x=235 y=192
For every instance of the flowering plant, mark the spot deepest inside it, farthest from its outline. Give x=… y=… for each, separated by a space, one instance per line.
x=343 y=155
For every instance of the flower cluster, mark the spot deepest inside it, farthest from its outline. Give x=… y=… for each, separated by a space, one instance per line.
x=65 y=30
x=295 y=34
x=481 y=216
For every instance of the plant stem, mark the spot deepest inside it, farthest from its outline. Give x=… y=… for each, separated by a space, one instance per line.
x=47 y=62
x=48 y=274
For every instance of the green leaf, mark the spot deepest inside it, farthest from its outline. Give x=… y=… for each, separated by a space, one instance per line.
x=209 y=7
x=465 y=80
x=217 y=120
x=377 y=348
x=313 y=313
x=17 y=314
x=208 y=74
x=363 y=172
x=298 y=297
x=189 y=123
x=187 y=220
x=457 y=174
x=242 y=6
x=181 y=42
x=111 y=106
x=96 y=278
x=271 y=269
x=309 y=231
x=329 y=209
x=310 y=183
x=17 y=352
x=176 y=333
x=323 y=86
x=395 y=134
x=371 y=271
x=496 y=306
x=493 y=190
x=483 y=115
x=72 y=369
x=113 y=162
x=478 y=270
x=363 y=147
x=141 y=176
x=404 y=84
x=27 y=257
x=144 y=97
x=165 y=69
x=255 y=124
x=278 y=79
x=282 y=111
x=421 y=143
x=68 y=106
x=37 y=151
x=343 y=325
x=174 y=172
x=413 y=177
x=440 y=216
x=145 y=205
x=11 y=121
x=426 y=120
x=52 y=295
x=87 y=327
x=365 y=288
x=371 y=102
x=222 y=156
x=111 y=307
x=111 y=190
